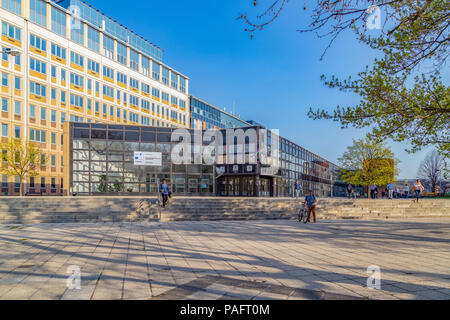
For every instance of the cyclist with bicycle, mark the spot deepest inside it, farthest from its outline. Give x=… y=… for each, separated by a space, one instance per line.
x=310 y=201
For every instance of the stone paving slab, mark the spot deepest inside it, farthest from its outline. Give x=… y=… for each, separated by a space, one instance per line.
x=272 y=259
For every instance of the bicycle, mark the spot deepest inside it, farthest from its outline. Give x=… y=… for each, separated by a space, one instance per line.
x=303 y=214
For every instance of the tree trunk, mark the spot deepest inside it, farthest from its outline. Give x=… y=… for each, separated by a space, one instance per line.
x=20 y=188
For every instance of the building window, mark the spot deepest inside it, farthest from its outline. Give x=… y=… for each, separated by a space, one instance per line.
x=42 y=182
x=145 y=88
x=4 y=105
x=93 y=39
x=108 y=47
x=4 y=181
x=76 y=59
x=145 y=63
x=17 y=60
x=134 y=83
x=38 y=12
x=53 y=93
x=77 y=30
x=53 y=161
x=17 y=83
x=63 y=97
x=155 y=70
x=93 y=66
x=108 y=91
x=155 y=93
x=63 y=117
x=108 y=72
x=174 y=80
x=13 y=6
x=182 y=84
x=63 y=75
x=76 y=80
x=38 y=66
x=32 y=183
x=4 y=79
x=165 y=96
x=53 y=181
x=121 y=78
x=38 y=89
x=4 y=130
x=10 y=31
x=17 y=132
x=43 y=114
x=53 y=116
x=53 y=71
x=134 y=100
x=17 y=108
x=121 y=54
x=165 y=76
x=32 y=111
x=38 y=43
x=58 y=51
x=58 y=21
x=76 y=101
x=134 y=60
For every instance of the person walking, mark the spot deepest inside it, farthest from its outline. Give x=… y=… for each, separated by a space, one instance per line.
x=297 y=189
x=418 y=188
x=406 y=191
x=349 y=191
x=373 y=191
x=397 y=192
x=164 y=190
x=310 y=201
x=390 y=190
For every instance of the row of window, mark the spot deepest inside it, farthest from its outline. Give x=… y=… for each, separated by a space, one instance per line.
x=32 y=183
x=42 y=162
x=79 y=102
x=146 y=66
x=78 y=80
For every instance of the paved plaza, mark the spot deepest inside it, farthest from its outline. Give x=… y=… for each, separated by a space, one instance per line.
x=269 y=259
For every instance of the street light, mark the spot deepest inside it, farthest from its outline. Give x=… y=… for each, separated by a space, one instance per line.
x=10 y=51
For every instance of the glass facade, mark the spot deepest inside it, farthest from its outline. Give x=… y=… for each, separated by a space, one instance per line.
x=114 y=28
x=38 y=12
x=58 y=21
x=12 y=5
x=207 y=116
x=102 y=161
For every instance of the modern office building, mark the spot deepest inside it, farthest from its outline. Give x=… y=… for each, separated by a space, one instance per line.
x=102 y=160
x=206 y=116
x=77 y=64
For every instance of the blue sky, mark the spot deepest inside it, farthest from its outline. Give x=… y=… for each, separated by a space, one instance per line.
x=272 y=79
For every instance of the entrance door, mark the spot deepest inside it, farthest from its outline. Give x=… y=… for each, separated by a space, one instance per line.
x=266 y=186
x=248 y=186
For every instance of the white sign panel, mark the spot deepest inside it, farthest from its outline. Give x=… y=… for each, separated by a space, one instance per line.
x=147 y=158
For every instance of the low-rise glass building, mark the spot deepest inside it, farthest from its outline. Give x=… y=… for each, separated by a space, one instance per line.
x=205 y=116
x=251 y=161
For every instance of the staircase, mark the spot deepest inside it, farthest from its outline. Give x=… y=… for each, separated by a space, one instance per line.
x=30 y=210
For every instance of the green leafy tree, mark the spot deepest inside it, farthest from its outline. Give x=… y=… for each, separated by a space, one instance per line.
x=366 y=162
x=402 y=94
x=19 y=159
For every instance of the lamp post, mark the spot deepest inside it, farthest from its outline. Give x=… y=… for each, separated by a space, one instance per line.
x=10 y=51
